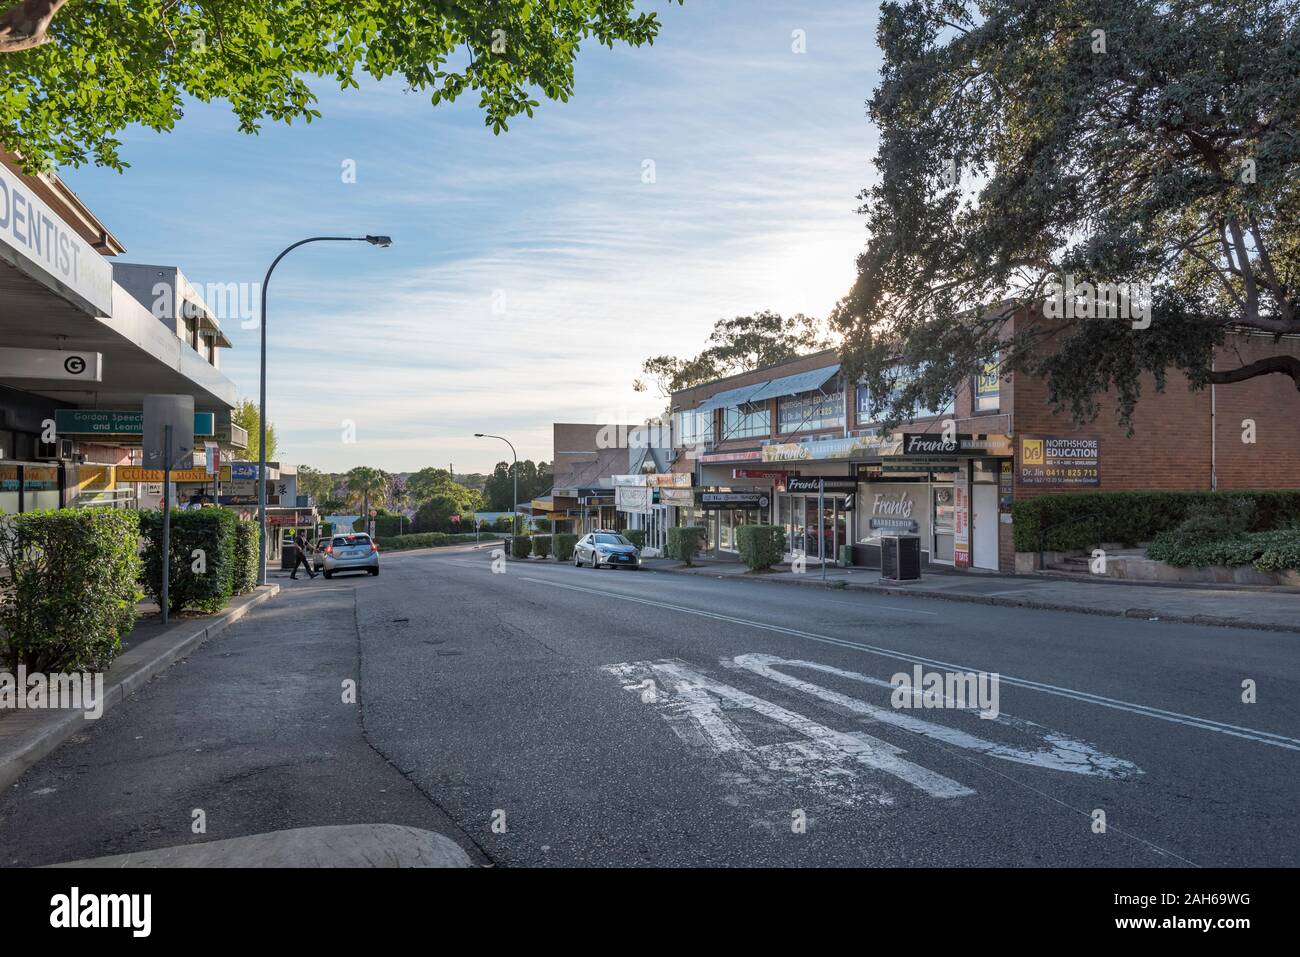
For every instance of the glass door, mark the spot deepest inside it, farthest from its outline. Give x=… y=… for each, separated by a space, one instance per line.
x=942 y=523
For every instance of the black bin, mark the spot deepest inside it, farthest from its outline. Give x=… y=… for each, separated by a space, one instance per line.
x=900 y=558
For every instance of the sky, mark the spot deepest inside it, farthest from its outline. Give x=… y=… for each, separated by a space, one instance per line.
x=531 y=272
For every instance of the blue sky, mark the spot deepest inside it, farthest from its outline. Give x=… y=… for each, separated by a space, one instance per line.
x=758 y=155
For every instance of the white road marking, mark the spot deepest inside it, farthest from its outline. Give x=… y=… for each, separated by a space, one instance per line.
x=1175 y=717
x=1062 y=754
x=824 y=760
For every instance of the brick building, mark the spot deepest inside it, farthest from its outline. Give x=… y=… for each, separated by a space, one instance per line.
x=756 y=444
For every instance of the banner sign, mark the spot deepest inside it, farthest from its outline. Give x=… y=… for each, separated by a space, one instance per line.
x=1058 y=462
x=961 y=522
x=243 y=472
x=670 y=479
x=632 y=498
x=633 y=480
x=114 y=422
x=933 y=443
x=745 y=500
x=680 y=497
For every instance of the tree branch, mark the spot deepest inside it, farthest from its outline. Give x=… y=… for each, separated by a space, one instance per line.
x=23 y=26
x=1287 y=365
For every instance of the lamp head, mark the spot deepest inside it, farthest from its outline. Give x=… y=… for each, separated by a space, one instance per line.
x=380 y=240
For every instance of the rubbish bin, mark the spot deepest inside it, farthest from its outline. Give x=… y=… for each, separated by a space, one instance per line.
x=846 y=556
x=900 y=558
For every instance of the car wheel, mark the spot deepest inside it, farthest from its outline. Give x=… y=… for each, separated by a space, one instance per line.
x=328 y=574
x=375 y=572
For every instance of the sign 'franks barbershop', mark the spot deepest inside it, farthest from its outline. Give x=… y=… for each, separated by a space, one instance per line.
x=37 y=242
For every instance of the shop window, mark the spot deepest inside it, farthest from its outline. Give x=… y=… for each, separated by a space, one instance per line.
x=988 y=386
x=693 y=428
x=901 y=376
x=746 y=421
x=810 y=413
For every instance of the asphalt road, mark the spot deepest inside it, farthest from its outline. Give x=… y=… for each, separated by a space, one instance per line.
x=548 y=715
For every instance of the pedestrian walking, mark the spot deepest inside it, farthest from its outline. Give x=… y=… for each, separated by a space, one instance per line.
x=300 y=555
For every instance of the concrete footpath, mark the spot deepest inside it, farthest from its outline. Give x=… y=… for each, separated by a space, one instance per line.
x=1270 y=609
x=344 y=845
x=28 y=736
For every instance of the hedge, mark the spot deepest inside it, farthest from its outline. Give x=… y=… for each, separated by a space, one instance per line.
x=521 y=546
x=542 y=546
x=71 y=584
x=246 y=555
x=211 y=530
x=425 y=540
x=636 y=536
x=1134 y=517
x=1273 y=551
x=685 y=541
x=564 y=543
x=760 y=546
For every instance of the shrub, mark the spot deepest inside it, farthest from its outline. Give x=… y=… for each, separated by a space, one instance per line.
x=71 y=586
x=1281 y=550
x=521 y=546
x=502 y=524
x=1079 y=520
x=424 y=540
x=246 y=556
x=542 y=546
x=542 y=524
x=760 y=546
x=685 y=541
x=636 y=536
x=211 y=530
x=1272 y=551
x=564 y=543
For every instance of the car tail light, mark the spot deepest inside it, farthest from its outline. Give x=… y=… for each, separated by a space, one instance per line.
x=374 y=547
x=329 y=549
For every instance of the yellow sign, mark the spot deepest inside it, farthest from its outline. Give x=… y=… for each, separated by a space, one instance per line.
x=1031 y=452
x=136 y=473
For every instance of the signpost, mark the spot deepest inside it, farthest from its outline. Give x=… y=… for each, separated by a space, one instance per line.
x=167 y=429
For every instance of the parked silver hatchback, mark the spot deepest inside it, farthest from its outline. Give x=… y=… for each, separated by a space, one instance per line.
x=353 y=552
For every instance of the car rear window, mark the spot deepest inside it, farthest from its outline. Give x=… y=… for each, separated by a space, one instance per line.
x=351 y=540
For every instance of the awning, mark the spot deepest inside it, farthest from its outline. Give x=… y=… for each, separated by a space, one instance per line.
x=795 y=384
x=722 y=400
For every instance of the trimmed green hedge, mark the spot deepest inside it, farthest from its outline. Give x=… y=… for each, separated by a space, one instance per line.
x=542 y=546
x=760 y=546
x=425 y=540
x=564 y=543
x=246 y=556
x=636 y=536
x=211 y=530
x=521 y=546
x=71 y=584
x=1134 y=517
x=1273 y=551
x=685 y=541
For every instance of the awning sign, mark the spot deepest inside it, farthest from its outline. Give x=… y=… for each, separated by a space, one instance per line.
x=39 y=243
x=51 y=364
x=117 y=422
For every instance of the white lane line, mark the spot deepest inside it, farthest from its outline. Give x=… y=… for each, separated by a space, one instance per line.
x=1175 y=717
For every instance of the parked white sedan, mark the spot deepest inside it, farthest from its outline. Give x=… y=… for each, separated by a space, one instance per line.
x=353 y=552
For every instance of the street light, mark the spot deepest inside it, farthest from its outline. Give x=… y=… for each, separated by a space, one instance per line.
x=514 y=519
x=261 y=407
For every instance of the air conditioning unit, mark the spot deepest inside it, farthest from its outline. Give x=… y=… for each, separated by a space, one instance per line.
x=900 y=558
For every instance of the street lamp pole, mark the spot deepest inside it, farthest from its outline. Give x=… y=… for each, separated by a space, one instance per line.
x=514 y=518
x=261 y=404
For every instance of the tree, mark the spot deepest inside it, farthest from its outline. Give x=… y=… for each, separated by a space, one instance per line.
x=1027 y=145
x=73 y=79
x=499 y=488
x=316 y=484
x=428 y=482
x=737 y=345
x=366 y=486
x=246 y=415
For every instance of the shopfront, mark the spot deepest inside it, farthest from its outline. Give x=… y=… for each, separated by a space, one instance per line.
x=817 y=515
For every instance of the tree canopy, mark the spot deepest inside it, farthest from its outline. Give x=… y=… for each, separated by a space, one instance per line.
x=1110 y=141
x=736 y=345
x=246 y=415
x=75 y=76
